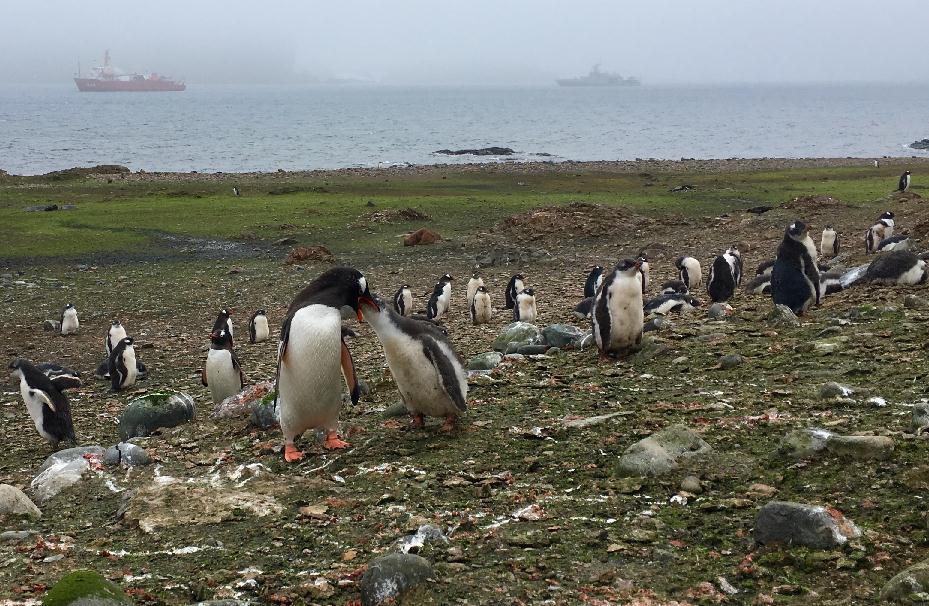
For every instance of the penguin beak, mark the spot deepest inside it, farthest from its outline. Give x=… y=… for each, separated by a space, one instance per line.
x=365 y=300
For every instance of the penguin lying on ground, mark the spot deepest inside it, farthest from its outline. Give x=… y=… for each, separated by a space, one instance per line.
x=765 y=267
x=222 y=372
x=666 y=303
x=403 y=301
x=760 y=285
x=690 y=272
x=258 y=330
x=481 y=309
x=585 y=308
x=882 y=228
x=513 y=288
x=473 y=284
x=594 y=279
x=900 y=242
x=428 y=372
x=896 y=267
x=618 y=315
x=829 y=244
x=69 y=321
x=311 y=353
x=674 y=287
x=725 y=275
x=441 y=298
x=795 y=277
x=525 y=310
x=124 y=369
x=830 y=282
x=46 y=402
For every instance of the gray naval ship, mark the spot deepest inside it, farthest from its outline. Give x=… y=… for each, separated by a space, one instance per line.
x=598 y=78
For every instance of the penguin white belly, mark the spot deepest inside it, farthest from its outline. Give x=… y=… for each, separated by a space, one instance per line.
x=407 y=303
x=913 y=275
x=666 y=307
x=116 y=335
x=132 y=367
x=34 y=408
x=261 y=329
x=482 y=309
x=527 y=311
x=70 y=323
x=626 y=314
x=417 y=379
x=310 y=388
x=224 y=379
x=441 y=304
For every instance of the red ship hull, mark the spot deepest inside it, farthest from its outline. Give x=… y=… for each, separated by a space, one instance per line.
x=141 y=85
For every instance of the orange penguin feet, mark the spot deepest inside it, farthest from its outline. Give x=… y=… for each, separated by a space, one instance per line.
x=291 y=454
x=333 y=441
x=418 y=421
x=449 y=424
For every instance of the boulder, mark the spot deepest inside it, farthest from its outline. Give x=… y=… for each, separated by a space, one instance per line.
x=531 y=350
x=85 y=588
x=421 y=236
x=14 y=502
x=519 y=333
x=909 y=586
x=154 y=411
x=485 y=361
x=70 y=454
x=389 y=577
x=57 y=477
x=807 y=525
x=805 y=443
x=781 y=315
x=564 y=336
x=718 y=311
x=920 y=419
x=127 y=455
x=661 y=452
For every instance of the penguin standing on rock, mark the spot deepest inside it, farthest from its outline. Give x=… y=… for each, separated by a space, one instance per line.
x=690 y=272
x=428 y=372
x=69 y=322
x=311 y=353
x=473 y=284
x=618 y=317
x=403 y=301
x=829 y=244
x=258 y=330
x=46 y=402
x=594 y=278
x=481 y=309
x=904 y=183
x=124 y=369
x=795 y=277
x=513 y=288
x=725 y=275
x=223 y=322
x=222 y=372
x=525 y=310
x=114 y=335
x=897 y=267
x=440 y=299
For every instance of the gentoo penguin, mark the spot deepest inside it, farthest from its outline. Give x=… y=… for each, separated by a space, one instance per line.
x=223 y=322
x=594 y=278
x=904 y=183
x=898 y=242
x=235 y=191
x=765 y=267
x=585 y=308
x=45 y=401
x=428 y=372
x=760 y=285
x=829 y=244
x=725 y=275
x=896 y=267
x=311 y=353
x=440 y=299
x=480 y=306
x=524 y=310
x=618 y=317
x=69 y=321
x=689 y=271
x=795 y=277
x=403 y=301
x=668 y=302
x=643 y=269
x=830 y=282
x=515 y=285
x=53 y=371
x=473 y=284
x=114 y=335
x=222 y=372
x=674 y=287
x=123 y=367
x=882 y=228
x=258 y=330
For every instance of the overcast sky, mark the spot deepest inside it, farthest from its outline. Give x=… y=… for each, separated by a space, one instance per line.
x=470 y=41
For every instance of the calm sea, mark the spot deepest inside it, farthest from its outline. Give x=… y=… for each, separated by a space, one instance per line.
x=44 y=128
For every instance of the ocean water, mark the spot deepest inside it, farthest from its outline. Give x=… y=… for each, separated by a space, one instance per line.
x=250 y=128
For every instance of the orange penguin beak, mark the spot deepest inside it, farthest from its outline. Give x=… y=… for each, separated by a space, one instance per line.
x=364 y=300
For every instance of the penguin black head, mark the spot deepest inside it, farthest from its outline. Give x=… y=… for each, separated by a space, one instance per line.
x=527 y=291
x=69 y=306
x=475 y=274
x=519 y=277
x=828 y=227
x=446 y=278
x=261 y=312
x=337 y=287
x=115 y=323
x=797 y=230
x=887 y=214
x=128 y=341
x=405 y=287
x=16 y=365
x=628 y=266
x=642 y=256
x=596 y=268
x=906 y=172
x=221 y=338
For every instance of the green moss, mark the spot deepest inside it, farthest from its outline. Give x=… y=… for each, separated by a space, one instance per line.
x=84 y=584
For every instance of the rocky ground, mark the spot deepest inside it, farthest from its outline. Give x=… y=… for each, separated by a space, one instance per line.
x=657 y=479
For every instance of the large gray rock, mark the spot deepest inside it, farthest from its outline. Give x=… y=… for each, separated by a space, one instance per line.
x=518 y=333
x=781 y=315
x=805 y=443
x=920 y=420
x=661 y=452
x=70 y=454
x=808 y=525
x=14 y=502
x=485 y=361
x=85 y=588
x=730 y=361
x=564 y=336
x=153 y=411
x=127 y=455
x=908 y=585
x=389 y=577
x=57 y=477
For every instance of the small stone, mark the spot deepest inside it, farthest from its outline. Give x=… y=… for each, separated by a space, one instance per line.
x=829 y=331
x=692 y=485
x=15 y=536
x=825 y=348
x=51 y=325
x=389 y=577
x=532 y=350
x=719 y=311
x=781 y=315
x=485 y=361
x=397 y=409
x=14 y=502
x=803 y=443
x=762 y=490
x=655 y=324
x=730 y=361
x=832 y=390
x=265 y=414
x=661 y=452
x=679 y=360
x=799 y=524
x=920 y=419
x=915 y=302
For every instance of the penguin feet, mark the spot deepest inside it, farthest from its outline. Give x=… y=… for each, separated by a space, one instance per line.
x=291 y=454
x=418 y=421
x=449 y=424
x=333 y=441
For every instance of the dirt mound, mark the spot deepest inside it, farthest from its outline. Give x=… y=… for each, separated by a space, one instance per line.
x=577 y=219
x=815 y=203
x=421 y=236
x=905 y=196
x=309 y=253
x=393 y=215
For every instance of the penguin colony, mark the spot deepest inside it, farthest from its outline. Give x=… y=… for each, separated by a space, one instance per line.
x=313 y=357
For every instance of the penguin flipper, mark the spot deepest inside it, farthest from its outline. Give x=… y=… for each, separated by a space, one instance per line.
x=44 y=397
x=237 y=366
x=348 y=371
x=63 y=382
x=281 y=352
x=447 y=373
x=203 y=377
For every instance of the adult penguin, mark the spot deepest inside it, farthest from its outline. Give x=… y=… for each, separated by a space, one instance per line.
x=795 y=276
x=618 y=318
x=513 y=288
x=403 y=301
x=223 y=322
x=441 y=298
x=897 y=267
x=222 y=372
x=46 y=402
x=690 y=272
x=310 y=355
x=124 y=368
x=428 y=372
x=904 y=183
x=725 y=275
x=594 y=278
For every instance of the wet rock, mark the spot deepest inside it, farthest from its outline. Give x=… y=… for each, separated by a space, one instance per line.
x=70 y=454
x=154 y=411
x=483 y=151
x=915 y=302
x=51 y=326
x=485 y=361
x=127 y=455
x=57 y=477
x=730 y=361
x=389 y=577
x=832 y=390
x=519 y=333
x=85 y=588
x=14 y=502
x=532 y=350
x=661 y=452
x=909 y=586
x=920 y=419
x=265 y=414
x=649 y=350
x=397 y=409
x=427 y=534
x=564 y=336
x=781 y=315
x=718 y=311
x=243 y=402
x=799 y=524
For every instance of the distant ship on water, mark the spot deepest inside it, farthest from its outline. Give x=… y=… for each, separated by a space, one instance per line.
x=110 y=79
x=598 y=78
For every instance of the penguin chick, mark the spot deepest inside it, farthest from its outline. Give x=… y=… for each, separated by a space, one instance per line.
x=674 y=287
x=481 y=309
x=666 y=303
x=513 y=288
x=795 y=277
x=760 y=285
x=258 y=330
x=403 y=301
x=222 y=372
x=525 y=310
x=473 y=284
x=618 y=316
x=899 y=242
x=311 y=356
x=896 y=267
x=428 y=372
x=882 y=228
x=725 y=275
x=689 y=272
x=123 y=367
x=69 y=322
x=46 y=402
x=441 y=298
x=829 y=243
